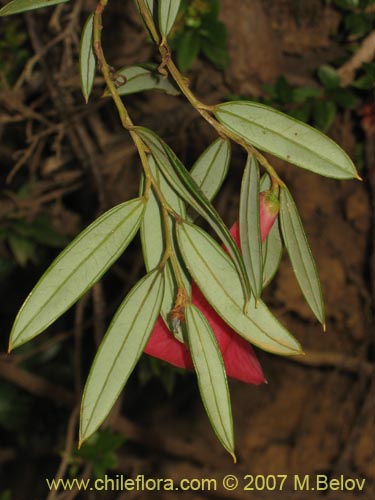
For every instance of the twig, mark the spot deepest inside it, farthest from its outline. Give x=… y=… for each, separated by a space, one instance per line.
x=334 y=360
x=69 y=440
x=34 y=384
x=365 y=53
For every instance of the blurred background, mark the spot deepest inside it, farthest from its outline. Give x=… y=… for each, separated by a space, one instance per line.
x=62 y=163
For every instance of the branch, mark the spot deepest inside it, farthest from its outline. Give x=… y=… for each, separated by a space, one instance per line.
x=341 y=361
x=365 y=53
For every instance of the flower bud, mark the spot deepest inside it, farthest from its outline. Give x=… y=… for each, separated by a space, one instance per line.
x=269 y=207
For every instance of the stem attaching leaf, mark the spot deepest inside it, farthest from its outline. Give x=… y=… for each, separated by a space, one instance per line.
x=180 y=179
x=153 y=244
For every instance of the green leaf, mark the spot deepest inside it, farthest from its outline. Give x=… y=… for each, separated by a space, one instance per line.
x=300 y=94
x=367 y=80
x=87 y=61
x=217 y=55
x=251 y=244
x=76 y=269
x=359 y=24
x=143 y=77
x=216 y=276
x=153 y=245
x=100 y=452
x=168 y=10
x=212 y=380
x=22 y=248
x=17 y=6
x=211 y=168
x=151 y=5
x=344 y=98
x=214 y=31
x=324 y=113
x=300 y=254
x=188 y=46
x=329 y=77
x=284 y=91
x=347 y=4
x=120 y=350
x=41 y=231
x=272 y=249
x=286 y=138
x=303 y=112
x=182 y=182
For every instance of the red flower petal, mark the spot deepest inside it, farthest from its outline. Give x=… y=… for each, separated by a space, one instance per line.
x=238 y=355
x=163 y=345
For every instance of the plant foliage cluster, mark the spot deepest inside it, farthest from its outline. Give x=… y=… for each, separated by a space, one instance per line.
x=176 y=250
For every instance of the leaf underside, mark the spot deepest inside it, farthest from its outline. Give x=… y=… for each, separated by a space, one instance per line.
x=286 y=138
x=120 y=350
x=216 y=276
x=212 y=380
x=300 y=254
x=76 y=269
x=18 y=6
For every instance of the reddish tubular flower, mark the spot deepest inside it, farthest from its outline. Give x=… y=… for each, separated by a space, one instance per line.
x=269 y=207
x=239 y=357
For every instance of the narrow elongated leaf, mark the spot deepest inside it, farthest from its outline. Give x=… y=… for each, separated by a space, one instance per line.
x=216 y=276
x=251 y=244
x=303 y=263
x=187 y=48
x=151 y=5
x=212 y=380
x=182 y=182
x=168 y=10
x=272 y=249
x=87 y=61
x=139 y=78
x=76 y=269
x=17 y=6
x=286 y=138
x=120 y=350
x=153 y=244
x=211 y=168
x=265 y=183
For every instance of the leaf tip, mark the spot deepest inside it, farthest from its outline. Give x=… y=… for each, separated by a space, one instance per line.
x=233 y=456
x=324 y=327
x=358 y=177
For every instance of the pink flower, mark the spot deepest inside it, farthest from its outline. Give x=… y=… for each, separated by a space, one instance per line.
x=238 y=355
x=269 y=207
